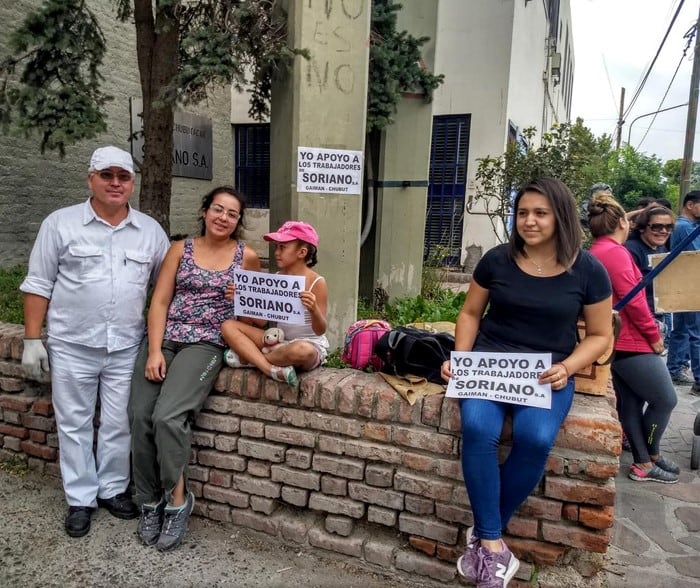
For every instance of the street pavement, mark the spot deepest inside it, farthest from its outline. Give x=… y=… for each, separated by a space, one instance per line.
x=656 y=538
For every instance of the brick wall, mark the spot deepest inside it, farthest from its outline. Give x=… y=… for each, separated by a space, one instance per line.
x=346 y=465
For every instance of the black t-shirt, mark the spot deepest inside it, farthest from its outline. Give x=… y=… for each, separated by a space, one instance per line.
x=535 y=314
x=640 y=252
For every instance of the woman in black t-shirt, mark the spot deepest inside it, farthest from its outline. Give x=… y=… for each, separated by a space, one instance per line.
x=536 y=287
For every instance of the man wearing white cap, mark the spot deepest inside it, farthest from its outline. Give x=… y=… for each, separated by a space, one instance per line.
x=89 y=273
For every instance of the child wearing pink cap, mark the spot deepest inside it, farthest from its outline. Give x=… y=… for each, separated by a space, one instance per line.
x=296 y=245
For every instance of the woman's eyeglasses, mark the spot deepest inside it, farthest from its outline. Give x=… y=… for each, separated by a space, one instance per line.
x=122 y=177
x=658 y=227
x=218 y=210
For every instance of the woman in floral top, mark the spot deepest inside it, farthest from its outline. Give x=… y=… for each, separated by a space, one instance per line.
x=179 y=361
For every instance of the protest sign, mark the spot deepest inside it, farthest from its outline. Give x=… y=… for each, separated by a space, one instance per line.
x=329 y=171
x=504 y=377
x=273 y=297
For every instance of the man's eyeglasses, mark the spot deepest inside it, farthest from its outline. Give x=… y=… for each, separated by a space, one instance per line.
x=218 y=210
x=122 y=177
x=658 y=227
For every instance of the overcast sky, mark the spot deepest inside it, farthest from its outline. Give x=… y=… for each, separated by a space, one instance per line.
x=614 y=44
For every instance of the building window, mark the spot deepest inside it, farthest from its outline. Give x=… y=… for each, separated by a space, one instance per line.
x=252 y=156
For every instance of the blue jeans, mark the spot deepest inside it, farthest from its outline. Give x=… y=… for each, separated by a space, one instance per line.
x=685 y=341
x=495 y=492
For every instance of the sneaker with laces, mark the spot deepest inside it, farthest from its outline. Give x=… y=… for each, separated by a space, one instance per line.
x=682 y=378
x=231 y=359
x=496 y=568
x=150 y=523
x=668 y=465
x=285 y=374
x=467 y=563
x=175 y=519
x=655 y=474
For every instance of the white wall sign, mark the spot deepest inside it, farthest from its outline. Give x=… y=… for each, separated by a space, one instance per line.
x=504 y=377
x=329 y=171
x=273 y=297
x=192 y=142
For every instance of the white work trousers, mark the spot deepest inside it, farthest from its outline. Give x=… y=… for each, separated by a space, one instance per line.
x=78 y=374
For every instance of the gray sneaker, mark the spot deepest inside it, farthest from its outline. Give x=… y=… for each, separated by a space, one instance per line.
x=467 y=564
x=175 y=524
x=150 y=523
x=682 y=378
x=496 y=569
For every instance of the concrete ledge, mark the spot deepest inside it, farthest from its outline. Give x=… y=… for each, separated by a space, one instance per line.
x=345 y=464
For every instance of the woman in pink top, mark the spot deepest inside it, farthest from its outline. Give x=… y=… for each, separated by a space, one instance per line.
x=639 y=373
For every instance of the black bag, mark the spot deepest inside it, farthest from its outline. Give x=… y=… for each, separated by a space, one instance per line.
x=407 y=350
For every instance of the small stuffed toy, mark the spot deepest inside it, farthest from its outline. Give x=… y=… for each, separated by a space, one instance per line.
x=272 y=338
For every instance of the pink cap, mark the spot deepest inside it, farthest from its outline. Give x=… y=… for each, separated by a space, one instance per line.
x=292 y=230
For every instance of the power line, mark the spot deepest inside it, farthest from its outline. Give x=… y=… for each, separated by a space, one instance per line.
x=653 y=61
x=689 y=35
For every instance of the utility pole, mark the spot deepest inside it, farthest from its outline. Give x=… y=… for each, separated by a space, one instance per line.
x=620 y=120
x=687 y=164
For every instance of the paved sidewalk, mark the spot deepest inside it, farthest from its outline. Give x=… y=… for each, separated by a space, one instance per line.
x=656 y=539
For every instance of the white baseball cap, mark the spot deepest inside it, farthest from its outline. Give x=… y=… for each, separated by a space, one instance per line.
x=106 y=157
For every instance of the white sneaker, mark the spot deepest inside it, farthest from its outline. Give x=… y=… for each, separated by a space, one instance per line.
x=231 y=359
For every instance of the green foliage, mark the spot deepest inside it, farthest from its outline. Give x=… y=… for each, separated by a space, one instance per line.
x=11 y=300
x=15 y=465
x=434 y=272
x=59 y=48
x=394 y=66
x=632 y=175
x=444 y=307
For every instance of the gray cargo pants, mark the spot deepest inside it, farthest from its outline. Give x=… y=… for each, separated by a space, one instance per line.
x=161 y=415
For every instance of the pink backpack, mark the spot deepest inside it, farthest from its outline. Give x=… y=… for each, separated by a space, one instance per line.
x=360 y=338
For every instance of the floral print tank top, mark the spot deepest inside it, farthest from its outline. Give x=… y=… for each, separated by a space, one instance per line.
x=198 y=307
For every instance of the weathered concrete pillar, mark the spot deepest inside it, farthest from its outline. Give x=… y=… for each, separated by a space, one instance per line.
x=322 y=104
x=392 y=257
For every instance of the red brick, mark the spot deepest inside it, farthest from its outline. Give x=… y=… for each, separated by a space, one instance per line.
x=255 y=429
x=428 y=527
x=414 y=563
x=13 y=431
x=572 y=490
x=259 y=469
x=218 y=422
x=199 y=473
x=37 y=437
x=597 y=517
x=298 y=458
x=336 y=505
x=18 y=403
x=218 y=403
x=371 y=451
x=590 y=434
x=570 y=512
x=291 y=477
x=225 y=495
x=39 y=423
x=421 y=544
x=432 y=408
x=327 y=398
x=377 y=432
x=226 y=443
x=454 y=514
x=377 y=474
x=252 y=388
x=423 y=486
x=541 y=508
x=342 y=467
x=365 y=401
x=410 y=414
x=418 y=505
x=351 y=546
x=449 y=468
x=418 y=462
x=335 y=424
x=11 y=384
x=555 y=465
x=257 y=486
x=255 y=410
x=290 y=436
x=424 y=440
x=271 y=391
x=522 y=527
x=347 y=400
x=263 y=450
x=219 y=478
x=288 y=395
x=448 y=552
x=219 y=512
x=575 y=536
x=387 y=405
x=296 y=496
x=42 y=451
x=203 y=438
x=373 y=495
x=222 y=461
x=334 y=486
x=602 y=470
x=11 y=443
x=538 y=552
x=451 y=420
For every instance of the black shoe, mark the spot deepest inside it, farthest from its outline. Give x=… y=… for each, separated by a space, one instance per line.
x=695 y=390
x=78 y=520
x=120 y=506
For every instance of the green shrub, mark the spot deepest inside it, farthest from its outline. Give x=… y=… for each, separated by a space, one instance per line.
x=11 y=301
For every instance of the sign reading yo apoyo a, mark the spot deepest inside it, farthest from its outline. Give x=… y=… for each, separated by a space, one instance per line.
x=329 y=171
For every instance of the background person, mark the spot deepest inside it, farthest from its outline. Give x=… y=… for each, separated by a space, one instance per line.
x=89 y=273
x=643 y=387
x=685 y=336
x=179 y=361
x=296 y=246
x=536 y=287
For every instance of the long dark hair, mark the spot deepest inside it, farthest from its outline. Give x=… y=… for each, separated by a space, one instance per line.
x=209 y=198
x=567 y=230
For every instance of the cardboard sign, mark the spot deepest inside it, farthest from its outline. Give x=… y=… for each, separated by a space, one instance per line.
x=677 y=287
x=329 y=171
x=273 y=297
x=503 y=377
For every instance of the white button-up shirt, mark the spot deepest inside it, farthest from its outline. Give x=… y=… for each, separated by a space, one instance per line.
x=95 y=276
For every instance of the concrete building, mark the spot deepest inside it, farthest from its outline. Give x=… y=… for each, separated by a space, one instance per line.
x=33 y=184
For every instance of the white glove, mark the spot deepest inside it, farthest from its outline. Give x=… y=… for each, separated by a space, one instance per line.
x=34 y=358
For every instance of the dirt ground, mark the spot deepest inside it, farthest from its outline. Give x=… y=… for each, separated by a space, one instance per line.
x=35 y=551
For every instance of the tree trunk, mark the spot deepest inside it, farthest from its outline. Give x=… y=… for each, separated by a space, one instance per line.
x=157 y=53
